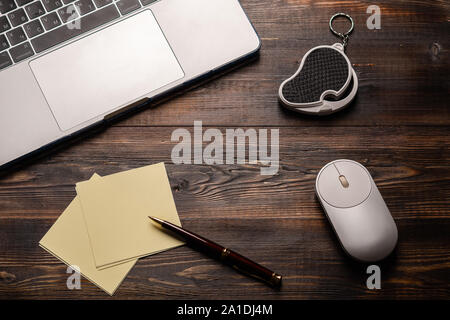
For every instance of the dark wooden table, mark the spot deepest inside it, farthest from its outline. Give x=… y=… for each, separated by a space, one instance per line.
x=398 y=128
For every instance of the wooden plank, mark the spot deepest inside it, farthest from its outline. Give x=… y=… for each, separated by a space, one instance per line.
x=403 y=68
x=401 y=161
x=235 y=205
x=305 y=251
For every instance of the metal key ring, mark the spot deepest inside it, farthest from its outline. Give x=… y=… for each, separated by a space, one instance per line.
x=341 y=35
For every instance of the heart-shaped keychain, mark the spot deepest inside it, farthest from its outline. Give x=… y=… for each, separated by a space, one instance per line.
x=325 y=82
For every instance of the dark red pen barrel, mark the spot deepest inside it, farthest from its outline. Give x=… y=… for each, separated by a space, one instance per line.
x=196 y=241
x=227 y=256
x=208 y=247
x=250 y=267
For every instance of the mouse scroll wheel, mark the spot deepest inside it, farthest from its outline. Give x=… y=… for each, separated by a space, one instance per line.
x=344 y=181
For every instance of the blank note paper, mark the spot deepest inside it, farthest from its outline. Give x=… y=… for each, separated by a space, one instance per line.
x=116 y=210
x=68 y=241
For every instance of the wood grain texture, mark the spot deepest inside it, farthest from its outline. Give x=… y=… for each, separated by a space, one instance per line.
x=398 y=128
x=403 y=68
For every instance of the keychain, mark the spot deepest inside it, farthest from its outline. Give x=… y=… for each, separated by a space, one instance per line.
x=322 y=83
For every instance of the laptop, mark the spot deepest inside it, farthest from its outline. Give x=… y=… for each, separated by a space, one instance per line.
x=68 y=65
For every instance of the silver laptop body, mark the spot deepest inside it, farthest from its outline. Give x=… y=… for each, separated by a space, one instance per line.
x=67 y=65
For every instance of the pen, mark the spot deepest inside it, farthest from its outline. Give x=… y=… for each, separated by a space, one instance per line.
x=223 y=254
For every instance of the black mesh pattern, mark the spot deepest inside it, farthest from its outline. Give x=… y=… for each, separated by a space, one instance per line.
x=324 y=69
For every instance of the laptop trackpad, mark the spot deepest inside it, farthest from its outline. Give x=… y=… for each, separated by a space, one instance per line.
x=106 y=70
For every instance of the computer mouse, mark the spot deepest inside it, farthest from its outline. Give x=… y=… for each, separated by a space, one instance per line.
x=356 y=210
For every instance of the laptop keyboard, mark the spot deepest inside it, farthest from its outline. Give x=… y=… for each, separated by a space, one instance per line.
x=29 y=27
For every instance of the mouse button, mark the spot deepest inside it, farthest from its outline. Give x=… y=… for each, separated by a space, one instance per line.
x=326 y=184
x=343 y=186
x=358 y=179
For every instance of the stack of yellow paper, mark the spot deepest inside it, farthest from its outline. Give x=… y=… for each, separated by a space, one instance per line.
x=106 y=228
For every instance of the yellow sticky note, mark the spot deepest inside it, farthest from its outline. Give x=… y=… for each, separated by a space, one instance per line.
x=68 y=241
x=116 y=210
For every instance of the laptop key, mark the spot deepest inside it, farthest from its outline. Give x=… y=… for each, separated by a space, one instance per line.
x=85 y=6
x=147 y=2
x=17 y=17
x=4 y=24
x=22 y=2
x=50 y=21
x=16 y=36
x=51 y=5
x=21 y=52
x=5 y=60
x=33 y=28
x=126 y=6
x=7 y=6
x=102 y=3
x=64 y=33
x=3 y=42
x=68 y=13
x=35 y=10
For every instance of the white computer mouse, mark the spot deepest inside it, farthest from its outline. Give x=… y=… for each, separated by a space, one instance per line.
x=356 y=210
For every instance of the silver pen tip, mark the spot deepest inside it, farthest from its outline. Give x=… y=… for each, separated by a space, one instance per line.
x=156 y=220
